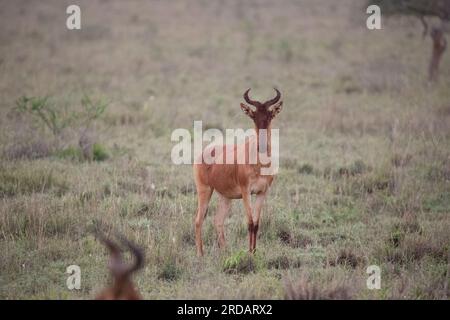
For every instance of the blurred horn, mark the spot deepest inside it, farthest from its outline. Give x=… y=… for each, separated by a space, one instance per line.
x=115 y=262
x=137 y=253
x=250 y=101
x=274 y=100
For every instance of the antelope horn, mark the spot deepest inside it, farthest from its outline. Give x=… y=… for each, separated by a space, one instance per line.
x=250 y=101
x=116 y=265
x=268 y=103
x=137 y=253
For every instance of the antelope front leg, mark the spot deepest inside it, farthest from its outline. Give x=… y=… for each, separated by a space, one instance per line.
x=223 y=210
x=204 y=195
x=258 y=206
x=248 y=210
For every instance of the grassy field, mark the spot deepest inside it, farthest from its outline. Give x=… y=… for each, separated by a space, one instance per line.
x=365 y=148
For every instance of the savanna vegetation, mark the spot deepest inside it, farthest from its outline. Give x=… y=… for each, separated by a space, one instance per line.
x=86 y=118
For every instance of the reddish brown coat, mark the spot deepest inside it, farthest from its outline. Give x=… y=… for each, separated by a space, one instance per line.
x=236 y=181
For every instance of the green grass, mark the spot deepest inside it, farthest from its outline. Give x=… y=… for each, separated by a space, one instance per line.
x=71 y=153
x=100 y=153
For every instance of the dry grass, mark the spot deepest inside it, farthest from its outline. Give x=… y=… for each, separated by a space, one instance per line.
x=307 y=289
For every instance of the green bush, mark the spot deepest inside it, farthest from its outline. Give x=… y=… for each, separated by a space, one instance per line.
x=100 y=153
x=241 y=262
x=55 y=119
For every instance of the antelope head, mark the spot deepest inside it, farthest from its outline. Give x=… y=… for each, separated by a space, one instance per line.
x=122 y=287
x=263 y=113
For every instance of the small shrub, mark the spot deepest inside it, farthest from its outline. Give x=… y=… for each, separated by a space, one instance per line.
x=59 y=118
x=49 y=116
x=241 y=262
x=99 y=152
x=92 y=109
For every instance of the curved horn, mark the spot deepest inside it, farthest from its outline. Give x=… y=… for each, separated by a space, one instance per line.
x=137 y=253
x=250 y=101
x=115 y=261
x=274 y=100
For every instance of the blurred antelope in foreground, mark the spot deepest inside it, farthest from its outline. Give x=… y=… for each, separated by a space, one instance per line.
x=237 y=181
x=122 y=287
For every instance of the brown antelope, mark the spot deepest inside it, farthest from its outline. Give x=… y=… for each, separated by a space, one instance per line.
x=122 y=287
x=235 y=180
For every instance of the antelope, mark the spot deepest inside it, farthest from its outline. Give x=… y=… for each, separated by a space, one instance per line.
x=235 y=180
x=122 y=287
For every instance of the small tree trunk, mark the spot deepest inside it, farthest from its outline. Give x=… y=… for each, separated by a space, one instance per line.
x=439 y=46
x=86 y=143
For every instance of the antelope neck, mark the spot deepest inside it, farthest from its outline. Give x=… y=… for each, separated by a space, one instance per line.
x=266 y=145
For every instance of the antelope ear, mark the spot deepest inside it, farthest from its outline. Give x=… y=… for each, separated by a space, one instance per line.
x=276 y=109
x=247 y=110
